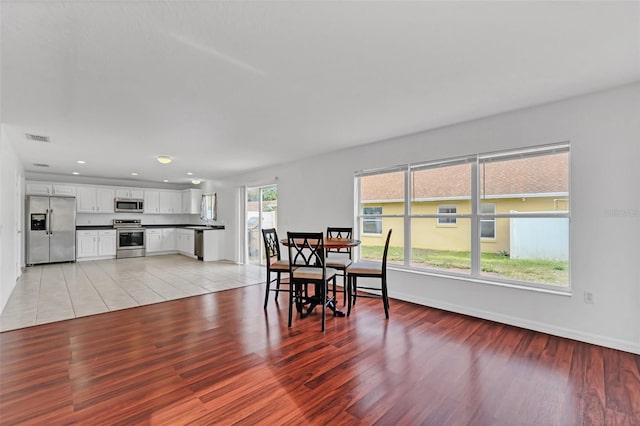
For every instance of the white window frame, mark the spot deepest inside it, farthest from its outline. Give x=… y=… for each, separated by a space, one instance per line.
x=490 y=217
x=376 y=217
x=475 y=215
x=449 y=218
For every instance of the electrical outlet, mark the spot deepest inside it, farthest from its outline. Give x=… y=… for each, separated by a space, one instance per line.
x=588 y=297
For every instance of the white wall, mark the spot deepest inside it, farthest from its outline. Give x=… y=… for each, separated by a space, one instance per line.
x=11 y=213
x=604 y=130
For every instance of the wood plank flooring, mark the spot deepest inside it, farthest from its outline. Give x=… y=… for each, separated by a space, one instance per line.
x=219 y=358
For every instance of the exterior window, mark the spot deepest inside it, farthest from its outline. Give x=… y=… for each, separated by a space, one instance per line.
x=372 y=225
x=488 y=223
x=501 y=217
x=447 y=220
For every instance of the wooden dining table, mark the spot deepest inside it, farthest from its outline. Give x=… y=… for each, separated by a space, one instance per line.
x=329 y=243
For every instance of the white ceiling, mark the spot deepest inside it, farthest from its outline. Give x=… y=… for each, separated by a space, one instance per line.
x=224 y=87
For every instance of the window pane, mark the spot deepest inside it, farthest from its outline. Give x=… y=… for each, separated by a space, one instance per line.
x=532 y=184
x=384 y=192
x=528 y=249
x=442 y=248
x=372 y=246
x=431 y=187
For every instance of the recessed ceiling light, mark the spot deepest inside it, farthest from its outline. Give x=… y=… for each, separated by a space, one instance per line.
x=195 y=181
x=75 y=173
x=166 y=180
x=189 y=174
x=81 y=162
x=163 y=159
x=134 y=174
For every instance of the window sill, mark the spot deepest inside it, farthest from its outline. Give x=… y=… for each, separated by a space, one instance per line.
x=478 y=280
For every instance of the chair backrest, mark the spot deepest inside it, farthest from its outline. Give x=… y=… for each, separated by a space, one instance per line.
x=384 y=255
x=333 y=232
x=271 y=245
x=306 y=249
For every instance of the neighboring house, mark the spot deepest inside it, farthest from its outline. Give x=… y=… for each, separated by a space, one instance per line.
x=533 y=184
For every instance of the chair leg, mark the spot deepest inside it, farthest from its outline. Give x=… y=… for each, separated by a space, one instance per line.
x=344 y=287
x=348 y=289
x=292 y=296
x=385 y=298
x=355 y=288
x=277 y=286
x=324 y=302
x=266 y=292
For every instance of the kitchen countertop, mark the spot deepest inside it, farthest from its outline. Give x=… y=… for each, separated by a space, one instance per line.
x=106 y=227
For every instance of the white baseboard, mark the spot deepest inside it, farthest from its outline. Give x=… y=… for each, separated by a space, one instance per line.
x=568 y=333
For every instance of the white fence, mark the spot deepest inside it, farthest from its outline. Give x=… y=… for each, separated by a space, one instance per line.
x=539 y=238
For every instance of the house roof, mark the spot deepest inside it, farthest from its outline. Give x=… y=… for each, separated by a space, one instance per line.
x=526 y=176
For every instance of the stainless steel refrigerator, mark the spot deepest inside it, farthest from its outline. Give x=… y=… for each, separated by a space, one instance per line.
x=51 y=229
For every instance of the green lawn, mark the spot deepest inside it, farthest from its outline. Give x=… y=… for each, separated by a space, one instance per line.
x=493 y=264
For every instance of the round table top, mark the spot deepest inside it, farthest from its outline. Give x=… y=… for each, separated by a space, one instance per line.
x=333 y=243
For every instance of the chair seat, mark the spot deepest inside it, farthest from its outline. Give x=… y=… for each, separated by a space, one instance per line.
x=280 y=265
x=338 y=262
x=365 y=268
x=309 y=273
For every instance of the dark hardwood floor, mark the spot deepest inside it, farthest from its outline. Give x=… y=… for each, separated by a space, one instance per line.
x=220 y=359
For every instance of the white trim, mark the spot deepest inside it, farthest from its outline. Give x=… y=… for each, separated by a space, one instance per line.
x=569 y=333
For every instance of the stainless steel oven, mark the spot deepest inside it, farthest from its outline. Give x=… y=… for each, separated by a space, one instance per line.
x=129 y=238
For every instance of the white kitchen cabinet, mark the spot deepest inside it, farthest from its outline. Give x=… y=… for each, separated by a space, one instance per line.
x=170 y=202
x=152 y=201
x=86 y=244
x=94 y=244
x=168 y=239
x=132 y=193
x=44 y=188
x=37 y=188
x=153 y=241
x=86 y=199
x=107 y=243
x=185 y=241
x=191 y=201
x=104 y=200
x=92 y=199
x=160 y=240
x=63 y=190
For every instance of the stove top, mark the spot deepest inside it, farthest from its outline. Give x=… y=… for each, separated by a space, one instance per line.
x=127 y=223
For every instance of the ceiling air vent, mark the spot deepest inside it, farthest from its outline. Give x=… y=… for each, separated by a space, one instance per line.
x=40 y=165
x=37 y=138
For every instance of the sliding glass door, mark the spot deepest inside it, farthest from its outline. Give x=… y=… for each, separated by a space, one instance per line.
x=261 y=213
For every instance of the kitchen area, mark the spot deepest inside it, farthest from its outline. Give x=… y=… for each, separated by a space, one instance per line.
x=68 y=222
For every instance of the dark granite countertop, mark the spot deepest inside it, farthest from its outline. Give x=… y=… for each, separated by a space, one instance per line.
x=105 y=227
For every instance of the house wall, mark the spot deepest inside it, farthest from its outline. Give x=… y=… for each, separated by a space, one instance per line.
x=11 y=213
x=426 y=233
x=604 y=131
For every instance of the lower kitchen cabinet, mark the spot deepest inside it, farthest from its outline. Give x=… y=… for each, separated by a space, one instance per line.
x=160 y=240
x=95 y=244
x=185 y=241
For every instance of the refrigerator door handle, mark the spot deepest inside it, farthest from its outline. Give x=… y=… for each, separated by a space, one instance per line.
x=46 y=221
x=50 y=219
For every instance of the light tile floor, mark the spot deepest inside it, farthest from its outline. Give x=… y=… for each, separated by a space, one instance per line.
x=55 y=292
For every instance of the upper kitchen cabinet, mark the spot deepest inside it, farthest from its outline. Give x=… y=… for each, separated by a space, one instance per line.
x=91 y=199
x=137 y=194
x=191 y=200
x=42 y=188
x=170 y=202
x=152 y=201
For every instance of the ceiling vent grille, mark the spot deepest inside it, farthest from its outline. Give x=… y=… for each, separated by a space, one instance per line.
x=40 y=165
x=37 y=138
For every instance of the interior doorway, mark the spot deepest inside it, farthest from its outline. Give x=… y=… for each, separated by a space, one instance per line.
x=262 y=213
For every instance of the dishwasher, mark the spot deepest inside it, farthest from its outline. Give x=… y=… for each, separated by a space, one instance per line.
x=198 y=249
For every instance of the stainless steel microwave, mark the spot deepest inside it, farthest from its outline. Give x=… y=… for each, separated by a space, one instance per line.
x=128 y=205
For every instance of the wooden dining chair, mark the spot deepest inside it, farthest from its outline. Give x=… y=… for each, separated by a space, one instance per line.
x=367 y=269
x=340 y=260
x=307 y=266
x=274 y=264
